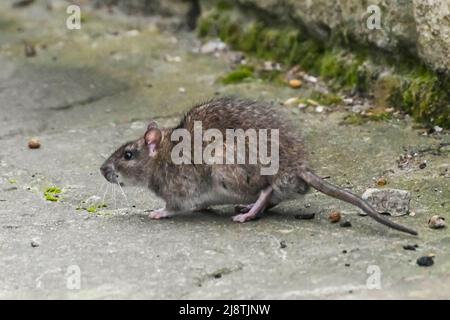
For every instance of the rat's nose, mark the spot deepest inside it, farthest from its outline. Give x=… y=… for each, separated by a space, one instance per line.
x=106 y=171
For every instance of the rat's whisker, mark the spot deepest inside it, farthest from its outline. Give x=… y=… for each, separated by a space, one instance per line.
x=114 y=195
x=104 y=194
x=102 y=188
x=124 y=195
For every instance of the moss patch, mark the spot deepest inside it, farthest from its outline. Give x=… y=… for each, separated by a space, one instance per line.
x=52 y=194
x=359 y=119
x=416 y=90
x=95 y=208
x=326 y=99
x=237 y=75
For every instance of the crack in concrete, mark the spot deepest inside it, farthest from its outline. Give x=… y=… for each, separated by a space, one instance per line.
x=219 y=273
x=88 y=100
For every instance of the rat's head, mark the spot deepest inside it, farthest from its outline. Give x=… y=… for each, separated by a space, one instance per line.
x=128 y=164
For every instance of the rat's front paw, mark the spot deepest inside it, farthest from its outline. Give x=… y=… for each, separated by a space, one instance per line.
x=159 y=214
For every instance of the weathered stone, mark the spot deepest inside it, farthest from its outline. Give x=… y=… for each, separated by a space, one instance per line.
x=393 y=201
x=422 y=27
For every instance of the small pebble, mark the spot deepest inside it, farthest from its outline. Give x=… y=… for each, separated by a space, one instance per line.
x=213 y=46
x=170 y=58
x=291 y=102
x=320 y=109
x=423 y=165
x=436 y=222
x=283 y=244
x=334 y=216
x=410 y=247
x=425 y=261
x=345 y=224
x=305 y=216
x=310 y=78
x=181 y=90
x=347 y=264
x=344 y=251
x=34 y=143
x=132 y=33
x=295 y=83
x=348 y=101
x=34 y=244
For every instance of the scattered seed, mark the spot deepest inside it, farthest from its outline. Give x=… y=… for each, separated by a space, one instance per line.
x=347 y=264
x=381 y=181
x=425 y=261
x=345 y=224
x=334 y=216
x=423 y=165
x=283 y=244
x=344 y=251
x=34 y=143
x=217 y=275
x=305 y=216
x=295 y=83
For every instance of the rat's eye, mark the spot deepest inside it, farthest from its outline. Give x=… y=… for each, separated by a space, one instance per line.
x=128 y=155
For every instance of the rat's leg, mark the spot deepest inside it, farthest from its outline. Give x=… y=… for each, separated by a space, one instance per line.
x=161 y=213
x=257 y=207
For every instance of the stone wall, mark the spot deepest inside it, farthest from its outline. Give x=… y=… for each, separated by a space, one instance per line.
x=419 y=27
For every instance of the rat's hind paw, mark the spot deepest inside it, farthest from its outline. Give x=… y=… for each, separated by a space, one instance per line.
x=244 y=217
x=159 y=214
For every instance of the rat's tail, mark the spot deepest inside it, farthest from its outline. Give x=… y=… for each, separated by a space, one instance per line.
x=318 y=183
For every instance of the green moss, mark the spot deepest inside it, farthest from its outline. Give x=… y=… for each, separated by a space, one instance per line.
x=238 y=75
x=354 y=119
x=95 y=208
x=416 y=90
x=223 y=5
x=425 y=96
x=204 y=27
x=359 y=119
x=52 y=194
x=326 y=99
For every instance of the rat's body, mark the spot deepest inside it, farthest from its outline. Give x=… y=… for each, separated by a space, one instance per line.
x=189 y=187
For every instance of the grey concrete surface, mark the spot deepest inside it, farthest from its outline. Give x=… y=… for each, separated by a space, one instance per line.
x=88 y=91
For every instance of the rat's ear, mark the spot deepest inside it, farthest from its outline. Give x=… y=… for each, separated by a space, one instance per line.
x=153 y=137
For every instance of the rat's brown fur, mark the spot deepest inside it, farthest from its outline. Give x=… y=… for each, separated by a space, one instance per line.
x=188 y=187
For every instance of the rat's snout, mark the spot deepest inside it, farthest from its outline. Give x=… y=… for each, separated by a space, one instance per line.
x=108 y=172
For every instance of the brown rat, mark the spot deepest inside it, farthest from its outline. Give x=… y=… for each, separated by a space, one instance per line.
x=191 y=186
